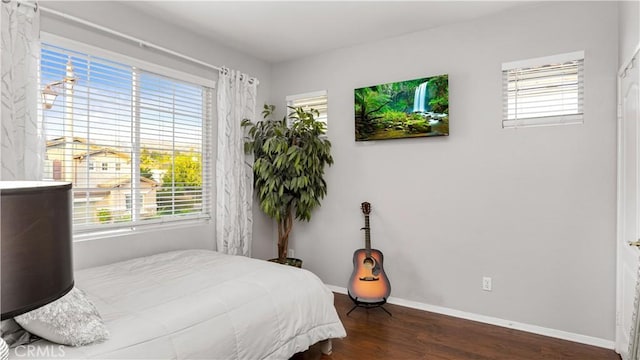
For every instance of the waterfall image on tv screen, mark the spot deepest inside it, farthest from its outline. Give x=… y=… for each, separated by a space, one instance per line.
x=412 y=108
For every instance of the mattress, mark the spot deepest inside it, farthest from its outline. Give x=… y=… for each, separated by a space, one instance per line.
x=203 y=304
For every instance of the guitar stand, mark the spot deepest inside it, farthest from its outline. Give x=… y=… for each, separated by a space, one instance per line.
x=368 y=305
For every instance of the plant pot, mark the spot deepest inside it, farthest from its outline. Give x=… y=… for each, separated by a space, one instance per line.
x=289 y=261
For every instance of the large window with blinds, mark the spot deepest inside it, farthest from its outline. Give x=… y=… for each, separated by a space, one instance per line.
x=135 y=143
x=543 y=91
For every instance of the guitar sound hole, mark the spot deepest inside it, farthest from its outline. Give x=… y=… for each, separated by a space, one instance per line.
x=368 y=278
x=368 y=261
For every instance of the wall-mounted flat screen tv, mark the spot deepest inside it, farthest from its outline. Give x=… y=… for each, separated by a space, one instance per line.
x=405 y=109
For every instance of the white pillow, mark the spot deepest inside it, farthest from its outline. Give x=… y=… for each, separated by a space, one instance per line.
x=71 y=320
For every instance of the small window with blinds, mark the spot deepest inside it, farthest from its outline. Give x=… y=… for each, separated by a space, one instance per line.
x=134 y=143
x=543 y=91
x=314 y=100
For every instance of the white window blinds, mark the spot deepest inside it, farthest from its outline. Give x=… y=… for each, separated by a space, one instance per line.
x=314 y=100
x=543 y=91
x=134 y=144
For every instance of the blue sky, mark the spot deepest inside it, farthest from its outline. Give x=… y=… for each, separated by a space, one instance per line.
x=103 y=98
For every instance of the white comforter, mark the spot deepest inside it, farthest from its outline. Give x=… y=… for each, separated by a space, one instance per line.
x=203 y=304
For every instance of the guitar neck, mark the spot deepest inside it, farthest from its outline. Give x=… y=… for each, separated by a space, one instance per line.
x=367 y=234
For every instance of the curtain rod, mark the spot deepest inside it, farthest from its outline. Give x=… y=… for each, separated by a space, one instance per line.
x=140 y=42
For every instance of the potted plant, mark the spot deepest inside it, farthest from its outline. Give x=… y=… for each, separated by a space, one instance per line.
x=288 y=168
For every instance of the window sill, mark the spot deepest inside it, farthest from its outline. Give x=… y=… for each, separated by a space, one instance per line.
x=575 y=119
x=97 y=234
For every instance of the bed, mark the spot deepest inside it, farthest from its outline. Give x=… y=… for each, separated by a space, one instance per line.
x=203 y=304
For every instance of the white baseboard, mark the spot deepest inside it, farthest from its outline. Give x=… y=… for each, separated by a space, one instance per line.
x=579 y=338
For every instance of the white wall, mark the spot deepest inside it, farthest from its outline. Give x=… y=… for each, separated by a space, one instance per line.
x=133 y=22
x=629 y=26
x=533 y=208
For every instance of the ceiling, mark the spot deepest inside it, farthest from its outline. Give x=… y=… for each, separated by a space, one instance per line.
x=277 y=31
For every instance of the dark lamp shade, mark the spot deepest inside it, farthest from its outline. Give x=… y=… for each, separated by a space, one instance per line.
x=35 y=245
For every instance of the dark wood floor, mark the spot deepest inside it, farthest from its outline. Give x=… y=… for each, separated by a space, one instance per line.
x=416 y=334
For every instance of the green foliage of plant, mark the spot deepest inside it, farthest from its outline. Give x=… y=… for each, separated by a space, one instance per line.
x=183 y=168
x=181 y=183
x=104 y=215
x=288 y=168
x=153 y=160
x=185 y=172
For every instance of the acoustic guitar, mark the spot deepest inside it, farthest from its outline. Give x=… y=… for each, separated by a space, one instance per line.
x=368 y=282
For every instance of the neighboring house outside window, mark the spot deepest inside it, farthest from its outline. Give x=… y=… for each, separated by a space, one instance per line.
x=57 y=170
x=127 y=122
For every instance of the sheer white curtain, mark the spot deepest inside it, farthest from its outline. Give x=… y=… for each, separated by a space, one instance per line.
x=22 y=140
x=234 y=175
x=634 y=336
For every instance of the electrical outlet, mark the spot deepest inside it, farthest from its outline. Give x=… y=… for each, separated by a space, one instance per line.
x=291 y=253
x=486 y=283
